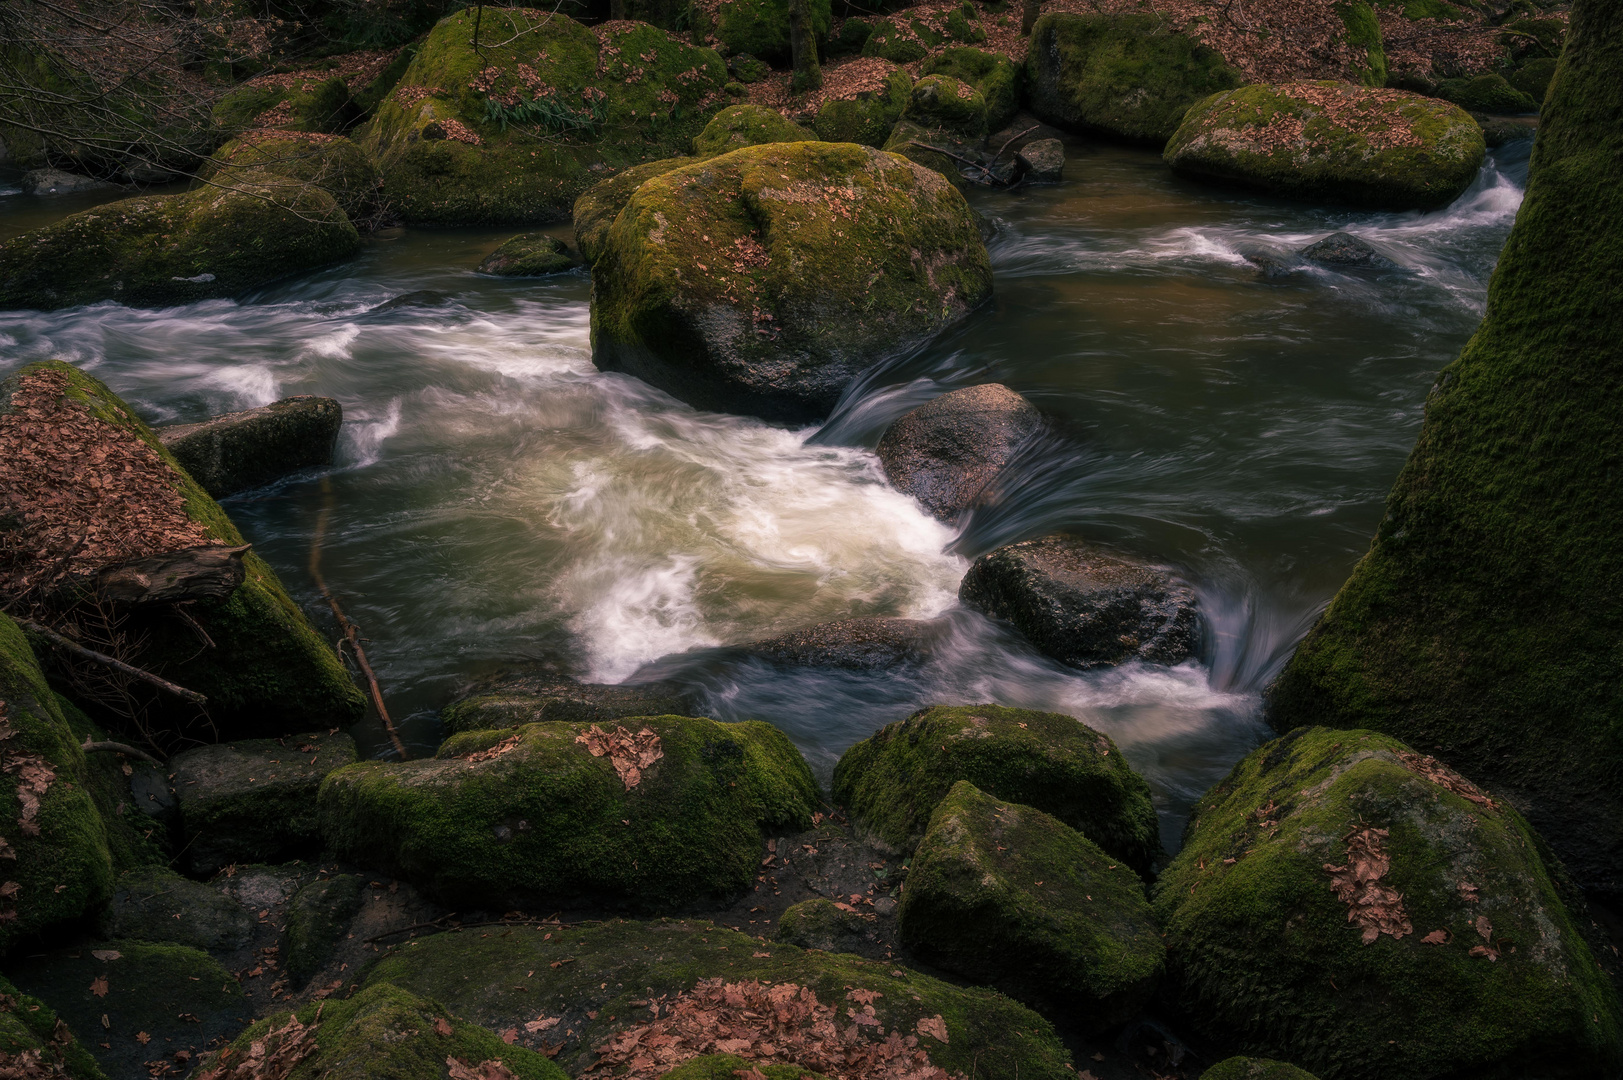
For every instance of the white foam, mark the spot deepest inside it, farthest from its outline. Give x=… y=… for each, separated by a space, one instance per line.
x=364 y=434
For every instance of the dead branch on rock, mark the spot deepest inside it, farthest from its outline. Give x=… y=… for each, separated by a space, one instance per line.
x=117 y=665
x=106 y=747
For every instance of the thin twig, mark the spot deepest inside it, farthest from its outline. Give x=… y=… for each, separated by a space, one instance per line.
x=117 y=665
x=955 y=157
x=1011 y=139
x=118 y=748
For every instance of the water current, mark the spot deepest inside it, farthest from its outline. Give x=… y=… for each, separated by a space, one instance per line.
x=500 y=502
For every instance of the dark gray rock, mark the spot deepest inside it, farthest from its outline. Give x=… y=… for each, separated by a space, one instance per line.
x=1019 y=133
x=1272 y=265
x=154 y=903
x=745 y=68
x=57 y=182
x=1043 y=161
x=944 y=453
x=511 y=702
x=242 y=450
x=417 y=298
x=1082 y=606
x=533 y=254
x=1346 y=251
x=874 y=643
x=317 y=920
x=819 y=924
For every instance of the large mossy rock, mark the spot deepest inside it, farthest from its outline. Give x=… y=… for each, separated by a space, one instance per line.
x=597 y=981
x=1483 y=623
x=513 y=133
x=994 y=75
x=1008 y=896
x=892 y=781
x=757 y=27
x=532 y=816
x=868 y=117
x=236 y=451
x=1337 y=881
x=738 y=126
x=269 y=672
x=31 y=1034
x=1129 y=76
x=1328 y=141
x=382 y=1033
x=157 y=250
x=946 y=452
x=763 y=281
x=942 y=101
x=1491 y=93
x=155 y=904
x=601 y=203
x=329 y=162
x=57 y=865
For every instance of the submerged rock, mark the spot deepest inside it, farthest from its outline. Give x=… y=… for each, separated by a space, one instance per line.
x=1054 y=918
x=237 y=451
x=153 y=903
x=892 y=781
x=529 y=255
x=1344 y=250
x=1083 y=606
x=329 y=162
x=57 y=182
x=1042 y=161
x=513 y=702
x=946 y=452
x=1336 y=880
x=601 y=203
x=763 y=281
x=875 y=643
x=1332 y=141
x=747 y=125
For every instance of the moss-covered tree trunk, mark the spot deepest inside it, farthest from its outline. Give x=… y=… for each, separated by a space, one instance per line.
x=1485 y=624
x=803 y=47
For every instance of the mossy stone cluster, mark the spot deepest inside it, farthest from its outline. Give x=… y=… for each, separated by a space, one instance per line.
x=747 y=125
x=532 y=817
x=512 y=133
x=1005 y=895
x=910 y=36
x=156 y=250
x=1128 y=76
x=763 y=281
x=941 y=101
x=1482 y=624
x=1332 y=141
x=868 y=117
x=892 y=781
x=994 y=75
x=1474 y=969
x=1489 y=93
x=330 y=162
x=757 y=27
x=29 y=1024
x=532 y=254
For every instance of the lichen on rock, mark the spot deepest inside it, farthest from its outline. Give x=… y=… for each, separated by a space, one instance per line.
x=747 y=125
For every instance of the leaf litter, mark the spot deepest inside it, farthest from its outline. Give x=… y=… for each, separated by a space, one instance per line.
x=1376 y=908
x=631 y=754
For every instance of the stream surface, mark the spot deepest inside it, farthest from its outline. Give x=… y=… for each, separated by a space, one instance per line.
x=500 y=502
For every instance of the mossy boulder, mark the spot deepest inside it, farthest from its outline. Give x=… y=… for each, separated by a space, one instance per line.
x=30 y=1029
x=382 y=1033
x=329 y=162
x=1481 y=625
x=601 y=203
x=1054 y=918
x=157 y=250
x=757 y=27
x=317 y=919
x=531 y=816
x=239 y=451
x=747 y=125
x=1332 y=141
x=729 y=1067
x=924 y=146
x=1128 y=76
x=819 y=924
x=269 y=671
x=125 y=789
x=533 y=254
x=868 y=117
x=596 y=981
x=155 y=904
x=891 y=781
x=1361 y=35
x=1490 y=93
x=995 y=76
x=942 y=101
x=1534 y=77
x=297 y=101
x=58 y=867
x=511 y=703
x=515 y=132
x=1253 y=1068
x=157 y=1000
x=912 y=35
x=763 y=281
x=1336 y=880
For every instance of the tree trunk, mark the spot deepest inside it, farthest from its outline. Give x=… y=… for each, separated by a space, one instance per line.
x=803 y=48
x=1029 y=10
x=617 y=9
x=198 y=573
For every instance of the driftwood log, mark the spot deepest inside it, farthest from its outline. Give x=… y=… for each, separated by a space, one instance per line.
x=197 y=573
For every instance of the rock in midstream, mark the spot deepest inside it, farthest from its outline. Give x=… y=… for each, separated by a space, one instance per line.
x=946 y=452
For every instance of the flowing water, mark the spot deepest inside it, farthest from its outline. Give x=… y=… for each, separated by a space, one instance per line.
x=498 y=501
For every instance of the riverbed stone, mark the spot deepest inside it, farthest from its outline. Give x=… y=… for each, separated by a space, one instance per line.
x=1054 y=918
x=514 y=701
x=892 y=781
x=1476 y=627
x=58 y=182
x=868 y=117
x=823 y=925
x=1488 y=93
x=533 y=254
x=1083 y=606
x=763 y=281
x=330 y=162
x=1337 y=879
x=1344 y=250
x=318 y=917
x=533 y=817
x=994 y=76
x=747 y=125
x=588 y=978
x=236 y=451
x=255 y=800
x=1130 y=76
x=952 y=154
x=946 y=452
x=941 y=101
x=29 y=1026
x=1320 y=141
x=1255 y=1068
x=601 y=203
x=153 y=903
x=1042 y=161
x=870 y=643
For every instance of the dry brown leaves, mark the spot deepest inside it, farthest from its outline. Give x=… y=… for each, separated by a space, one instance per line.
x=507 y=745
x=631 y=754
x=485 y=1070
x=1358 y=109
x=272 y=1056
x=1484 y=930
x=357 y=69
x=843 y=80
x=1431 y=769
x=34 y=775
x=760 y=1022
x=82 y=493
x=1373 y=906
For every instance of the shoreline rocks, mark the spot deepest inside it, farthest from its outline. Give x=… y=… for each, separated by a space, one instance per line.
x=946 y=452
x=529 y=255
x=516 y=701
x=237 y=451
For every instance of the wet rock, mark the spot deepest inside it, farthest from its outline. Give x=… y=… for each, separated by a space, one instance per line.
x=1344 y=250
x=1082 y=606
x=867 y=118
x=1054 y=918
x=1331 y=859
x=946 y=452
x=892 y=781
x=747 y=125
x=57 y=182
x=1369 y=147
x=156 y=904
x=727 y=284
x=993 y=75
x=532 y=816
x=529 y=255
x=601 y=203
x=417 y=298
x=317 y=919
x=876 y=643
x=237 y=451
x=30 y=1026
x=1271 y=264
x=329 y=162
x=819 y=924
x=1042 y=161
x=513 y=702
x=254 y=801
x=1252 y=1068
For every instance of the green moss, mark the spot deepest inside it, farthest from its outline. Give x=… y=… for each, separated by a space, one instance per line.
x=994 y=75
x=317 y=920
x=892 y=781
x=747 y=125
x=819 y=924
x=1128 y=76
x=133 y=838
x=269 y=670
x=156 y=904
x=529 y=255
x=599 y=978
x=1265 y=957
x=910 y=140
x=333 y=164
x=941 y=101
x=545 y=821
x=758 y=27
x=27 y=1023
x=1483 y=623
x=1250 y=1068
x=868 y=118
x=313 y=106
x=1347 y=156
x=1055 y=919
x=372 y=94
x=529 y=701
x=728 y=1067
x=386 y=1033
x=601 y=203
x=1534 y=77
x=1364 y=35
x=901 y=40
x=61 y=868
x=849 y=38
x=836 y=285
x=566 y=105
x=1489 y=93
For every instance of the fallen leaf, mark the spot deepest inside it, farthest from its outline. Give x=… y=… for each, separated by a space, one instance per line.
x=1484 y=928
x=1373 y=906
x=106 y=954
x=510 y=1036
x=98 y=986
x=142 y=1037
x=933 y=1026
x=1436 y=937
x=442 y=1026
x=630 y=754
